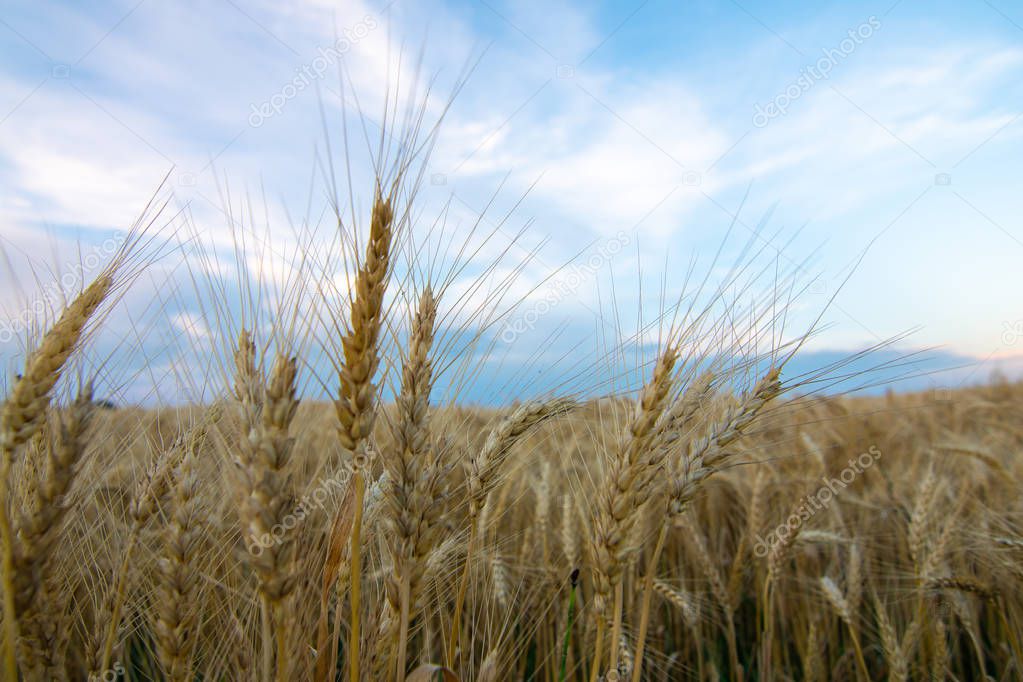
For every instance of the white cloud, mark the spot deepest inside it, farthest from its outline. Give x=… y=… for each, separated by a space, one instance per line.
x=609 y=145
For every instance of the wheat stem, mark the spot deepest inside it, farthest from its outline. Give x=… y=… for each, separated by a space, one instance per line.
x=356 y=403
x=463 y=586
x=355 y=585
x=644 y=612
x=632 y=473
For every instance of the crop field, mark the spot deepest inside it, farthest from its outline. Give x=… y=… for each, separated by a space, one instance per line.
x=719 y=521
x=362 y=444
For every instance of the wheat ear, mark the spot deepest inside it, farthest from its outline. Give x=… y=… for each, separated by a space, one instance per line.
x=483 y=470
x=896 y=652
x=630 y=477
x=841 y=606
x=264 y=484
x=963 y=585
x=178 y=587
x=144 y=505
x=707 y=455
x=356 y=403
x=39 y=531
x=814 y=659
x=922 y=521
x=249 y=392
x=676 y=422
x=415 y=490
x=21 y=417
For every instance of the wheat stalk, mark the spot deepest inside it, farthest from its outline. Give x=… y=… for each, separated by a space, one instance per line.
x=39 y=531
x=841 y=606
x=624 y=488
x=707 y=456
x=356 y=403
x=20 y=419
x=415 y=491
x=677 y=420
x=143 y=506
x=263 y=486
x=483 y=470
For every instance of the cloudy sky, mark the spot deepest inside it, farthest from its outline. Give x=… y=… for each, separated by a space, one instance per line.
x=646 y=127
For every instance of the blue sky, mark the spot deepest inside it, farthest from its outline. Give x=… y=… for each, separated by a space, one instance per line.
x=635 y=118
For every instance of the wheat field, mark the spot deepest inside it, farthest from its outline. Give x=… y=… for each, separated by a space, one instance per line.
x=721 y=521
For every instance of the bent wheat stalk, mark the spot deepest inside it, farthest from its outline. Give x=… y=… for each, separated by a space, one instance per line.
x=678 y=420
x=144 y=505
x=706 y=456
x=483 y=471
x=632 y=473
x=22 y=415
x=39 y=531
